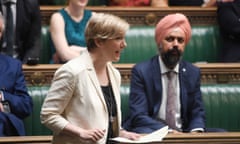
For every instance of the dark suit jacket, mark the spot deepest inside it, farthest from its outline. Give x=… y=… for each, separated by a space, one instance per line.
x=28 y=29
x=12 y=84
x=229 y=24
x=146 y=95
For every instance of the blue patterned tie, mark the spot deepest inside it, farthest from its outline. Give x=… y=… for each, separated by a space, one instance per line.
x=171 y=101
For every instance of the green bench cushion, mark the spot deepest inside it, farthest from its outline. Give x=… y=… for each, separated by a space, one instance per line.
x=221 y=103
x=32 y=123
x=203 y=47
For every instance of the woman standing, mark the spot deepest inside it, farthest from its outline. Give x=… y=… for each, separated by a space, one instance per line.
x=83 y=103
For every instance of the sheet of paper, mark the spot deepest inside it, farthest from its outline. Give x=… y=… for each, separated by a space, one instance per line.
x=155 y=136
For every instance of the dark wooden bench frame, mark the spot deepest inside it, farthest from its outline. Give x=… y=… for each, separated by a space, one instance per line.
x=145 y=15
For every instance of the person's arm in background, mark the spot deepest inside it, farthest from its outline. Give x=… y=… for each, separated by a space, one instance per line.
x=159 y=3
x=209 y=3
x=57 y=31
x=19 y=100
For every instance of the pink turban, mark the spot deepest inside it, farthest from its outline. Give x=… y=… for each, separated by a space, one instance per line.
x=168 y=23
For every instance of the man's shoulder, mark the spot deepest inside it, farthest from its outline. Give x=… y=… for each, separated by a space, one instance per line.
x=187 y=66
x=10 y=63
x=147 y=63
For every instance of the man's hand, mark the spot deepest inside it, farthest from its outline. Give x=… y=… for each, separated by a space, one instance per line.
x=129 y=135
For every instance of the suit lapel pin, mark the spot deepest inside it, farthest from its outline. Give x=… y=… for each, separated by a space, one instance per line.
x=184 y=70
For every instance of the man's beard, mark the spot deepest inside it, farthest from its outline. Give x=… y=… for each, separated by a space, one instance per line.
x=171 y=57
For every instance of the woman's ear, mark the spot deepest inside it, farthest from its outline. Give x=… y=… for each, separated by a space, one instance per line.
x=98 y=42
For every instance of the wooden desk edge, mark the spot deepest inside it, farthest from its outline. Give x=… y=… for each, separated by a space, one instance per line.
x=226 y=136
x=25 y=139
x=230 y=137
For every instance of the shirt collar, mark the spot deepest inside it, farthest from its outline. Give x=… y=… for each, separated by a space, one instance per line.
x=164 y=69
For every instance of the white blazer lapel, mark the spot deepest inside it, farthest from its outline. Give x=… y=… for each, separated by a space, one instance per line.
x=93 y=77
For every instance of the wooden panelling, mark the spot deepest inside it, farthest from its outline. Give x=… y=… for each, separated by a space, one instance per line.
x=145 y=15
x=210 y=73
x=26 y=139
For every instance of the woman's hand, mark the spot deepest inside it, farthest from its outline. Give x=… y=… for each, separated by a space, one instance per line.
x=91 y=135
x=85 y=135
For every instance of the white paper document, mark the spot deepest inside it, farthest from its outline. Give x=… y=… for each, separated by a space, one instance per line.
x=155 y=136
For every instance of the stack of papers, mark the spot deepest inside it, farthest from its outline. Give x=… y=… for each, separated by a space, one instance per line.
x=155 y=136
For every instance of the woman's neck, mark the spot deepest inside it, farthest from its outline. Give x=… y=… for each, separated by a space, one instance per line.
x=75 y=12
x=100 y=67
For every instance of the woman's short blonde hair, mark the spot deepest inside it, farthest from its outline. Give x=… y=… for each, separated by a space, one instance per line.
x=104 y=26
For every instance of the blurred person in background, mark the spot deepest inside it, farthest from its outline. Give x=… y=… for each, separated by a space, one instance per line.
x=15 y=102
x=167 y=3
x=67 y=28
x=22 y=37
x=228 y=14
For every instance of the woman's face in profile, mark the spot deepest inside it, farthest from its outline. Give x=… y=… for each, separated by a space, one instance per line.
x=112 y=48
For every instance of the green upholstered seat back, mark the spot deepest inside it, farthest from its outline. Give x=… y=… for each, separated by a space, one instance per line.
x=124 y=91
x=140 y=45
x=203 y=47
x=45 y=54
x=59 y=2
x=94 y=2
x=32 y=123
x=222 y=104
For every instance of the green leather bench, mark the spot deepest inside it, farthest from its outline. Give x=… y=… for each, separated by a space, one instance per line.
x=203 y=47
x=221 y=102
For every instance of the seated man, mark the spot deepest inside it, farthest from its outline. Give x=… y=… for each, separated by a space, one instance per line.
x=15 y=102
x=165 y=90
